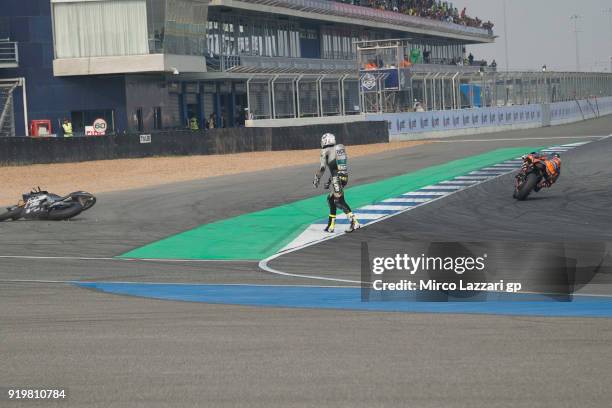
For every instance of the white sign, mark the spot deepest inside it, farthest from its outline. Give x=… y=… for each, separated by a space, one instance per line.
x=100 y=126
x=145 y=138
x=368 y=81
x=89 y=131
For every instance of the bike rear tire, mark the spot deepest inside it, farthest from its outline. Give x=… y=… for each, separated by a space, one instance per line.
x=65 y=213
x=527 y=187
x=85 y=199
x=89 y=203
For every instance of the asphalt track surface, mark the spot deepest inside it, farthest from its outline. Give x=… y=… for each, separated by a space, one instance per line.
x=110 y=350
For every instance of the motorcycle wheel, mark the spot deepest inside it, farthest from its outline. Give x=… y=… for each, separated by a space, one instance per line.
x=525 y=189
x=87 y=200
x=13 y=213
x=88 y=203
x=65 y=213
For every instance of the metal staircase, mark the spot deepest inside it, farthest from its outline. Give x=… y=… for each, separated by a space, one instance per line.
x=7 y=112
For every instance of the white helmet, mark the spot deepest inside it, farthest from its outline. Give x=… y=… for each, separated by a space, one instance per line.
x=328 y=139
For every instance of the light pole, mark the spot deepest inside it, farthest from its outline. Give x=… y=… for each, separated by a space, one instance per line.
x=575 y=18
x=609 y=12
x=506 y=37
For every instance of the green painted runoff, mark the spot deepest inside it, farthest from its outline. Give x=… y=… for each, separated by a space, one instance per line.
x=258 y=235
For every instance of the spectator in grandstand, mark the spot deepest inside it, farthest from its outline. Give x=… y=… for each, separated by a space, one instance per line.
x=405 y=63
x=211 y=121
x=415 y=56
x=431 y=9
x=416 y=106
x=427 y=56
x=67 y=127
x=494 y=64
x=371 y=64
x=471 y=59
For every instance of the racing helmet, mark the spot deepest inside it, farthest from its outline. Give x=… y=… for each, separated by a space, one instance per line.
x=328 y=139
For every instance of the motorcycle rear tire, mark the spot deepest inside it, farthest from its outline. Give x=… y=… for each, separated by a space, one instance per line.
x=11 y=213
x=85 y=199
x=89 y=203
x=527 y=187
x=65 y=213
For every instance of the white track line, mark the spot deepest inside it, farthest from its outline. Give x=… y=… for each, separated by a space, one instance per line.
x=511 y=139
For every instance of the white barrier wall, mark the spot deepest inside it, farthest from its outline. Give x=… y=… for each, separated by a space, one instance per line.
x=425 y=125
x=573 y=111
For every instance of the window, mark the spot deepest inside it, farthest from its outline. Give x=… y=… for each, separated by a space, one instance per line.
x=4 y=28
x=139 y=120
x=83 y=29
x=157 y=118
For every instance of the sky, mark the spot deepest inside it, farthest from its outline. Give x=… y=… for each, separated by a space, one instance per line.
x=541 y=32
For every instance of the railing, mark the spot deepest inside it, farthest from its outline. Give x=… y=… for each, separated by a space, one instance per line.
x=305 y=64
x=215 y=62
x=390 y=17
x=9 y=53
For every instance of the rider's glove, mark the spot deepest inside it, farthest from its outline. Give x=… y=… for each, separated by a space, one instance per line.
x=316 y=181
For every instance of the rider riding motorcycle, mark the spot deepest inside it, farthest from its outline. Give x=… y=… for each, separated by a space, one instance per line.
x=334 y=158
x=553 y=169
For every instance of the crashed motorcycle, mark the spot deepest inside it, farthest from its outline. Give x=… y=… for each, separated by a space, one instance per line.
x=42 y=205
x=531 y=177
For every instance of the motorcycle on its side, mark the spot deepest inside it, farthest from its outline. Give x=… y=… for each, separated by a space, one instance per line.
x=42 y=205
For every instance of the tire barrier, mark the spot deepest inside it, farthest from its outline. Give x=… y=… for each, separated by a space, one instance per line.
x=25 y=150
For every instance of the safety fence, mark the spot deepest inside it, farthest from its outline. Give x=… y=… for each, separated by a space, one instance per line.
x=302 y=96
x=28 y=150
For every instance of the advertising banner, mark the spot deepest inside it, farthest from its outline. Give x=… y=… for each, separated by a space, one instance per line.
x=416 y=122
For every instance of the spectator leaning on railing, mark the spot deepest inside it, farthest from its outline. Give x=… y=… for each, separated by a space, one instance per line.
x=431 y=9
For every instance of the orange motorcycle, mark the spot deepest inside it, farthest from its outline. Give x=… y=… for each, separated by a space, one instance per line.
x=536 y=172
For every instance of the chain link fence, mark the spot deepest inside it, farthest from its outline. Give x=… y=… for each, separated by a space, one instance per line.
x=308 y=96
x=284 y=98
x=260 y=103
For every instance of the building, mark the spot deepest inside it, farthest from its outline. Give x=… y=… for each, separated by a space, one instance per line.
x=144 y=65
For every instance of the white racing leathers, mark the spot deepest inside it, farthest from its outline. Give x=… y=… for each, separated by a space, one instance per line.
x=335 y=159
